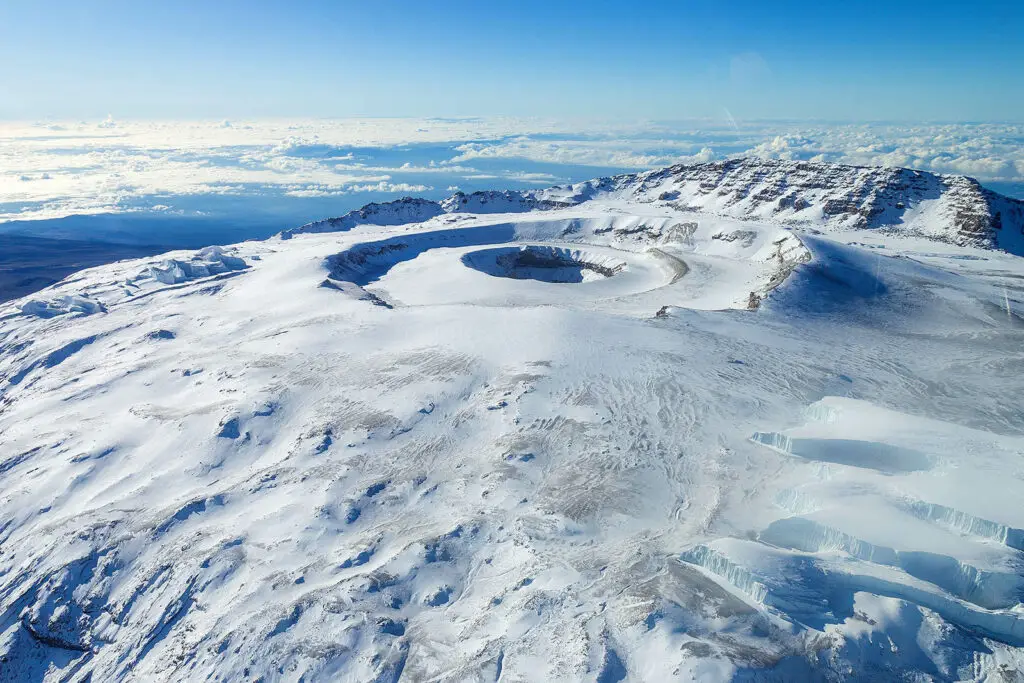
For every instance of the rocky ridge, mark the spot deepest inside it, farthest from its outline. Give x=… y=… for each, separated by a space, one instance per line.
x=949 y=208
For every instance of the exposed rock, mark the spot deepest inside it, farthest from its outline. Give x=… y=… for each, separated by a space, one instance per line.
x=950 y=208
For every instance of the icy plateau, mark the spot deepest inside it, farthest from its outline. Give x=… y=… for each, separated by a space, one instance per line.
x=744 y=420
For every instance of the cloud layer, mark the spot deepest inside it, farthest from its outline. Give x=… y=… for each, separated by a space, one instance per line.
x=50 y=170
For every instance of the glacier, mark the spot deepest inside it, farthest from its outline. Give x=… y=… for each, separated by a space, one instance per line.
x=743 y=420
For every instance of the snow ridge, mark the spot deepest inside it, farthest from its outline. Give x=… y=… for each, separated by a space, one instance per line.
x=948 y=208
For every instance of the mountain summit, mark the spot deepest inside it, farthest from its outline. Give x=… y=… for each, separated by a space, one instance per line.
x=950 y=208
x=749 y=420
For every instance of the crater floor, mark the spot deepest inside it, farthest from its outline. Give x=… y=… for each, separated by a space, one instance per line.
x=545 y=263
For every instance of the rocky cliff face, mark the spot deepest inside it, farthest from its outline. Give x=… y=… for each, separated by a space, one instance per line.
x=816 y=195
x=834 y=196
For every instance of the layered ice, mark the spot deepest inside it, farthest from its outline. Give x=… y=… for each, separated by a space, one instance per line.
x=206 y=262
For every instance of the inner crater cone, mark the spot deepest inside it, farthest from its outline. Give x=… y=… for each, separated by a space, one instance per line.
x=544 y=263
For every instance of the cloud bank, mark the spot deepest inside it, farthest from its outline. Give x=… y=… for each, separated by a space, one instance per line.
x=54 y=169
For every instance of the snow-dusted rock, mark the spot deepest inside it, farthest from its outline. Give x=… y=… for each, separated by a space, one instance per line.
x=949 y=208
x=398 y=212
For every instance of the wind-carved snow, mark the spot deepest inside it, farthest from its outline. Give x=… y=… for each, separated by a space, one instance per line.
x=643 y=428
x=60 y=305
x=206 y=262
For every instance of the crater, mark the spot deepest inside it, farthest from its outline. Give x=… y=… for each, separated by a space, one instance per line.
x=544 y=263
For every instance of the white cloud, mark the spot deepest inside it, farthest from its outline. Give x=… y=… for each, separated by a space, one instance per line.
x=384 y=186
x=989 y=151
x=126 y=165
x=606 y=153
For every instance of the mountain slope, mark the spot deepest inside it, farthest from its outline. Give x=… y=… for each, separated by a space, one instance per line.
x=28 y=263
x=826 y=196
x=608 y=438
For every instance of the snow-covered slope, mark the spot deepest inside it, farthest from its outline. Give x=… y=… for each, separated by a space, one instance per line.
x=628 y=430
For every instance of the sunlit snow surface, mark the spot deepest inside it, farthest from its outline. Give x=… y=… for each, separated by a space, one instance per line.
x=382 y=455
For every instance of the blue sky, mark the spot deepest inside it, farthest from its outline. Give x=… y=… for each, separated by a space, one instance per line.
x=851 y=61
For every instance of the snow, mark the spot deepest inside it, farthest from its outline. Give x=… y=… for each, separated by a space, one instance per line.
x=60 y=305
x=206 y=262
x=579 y=434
